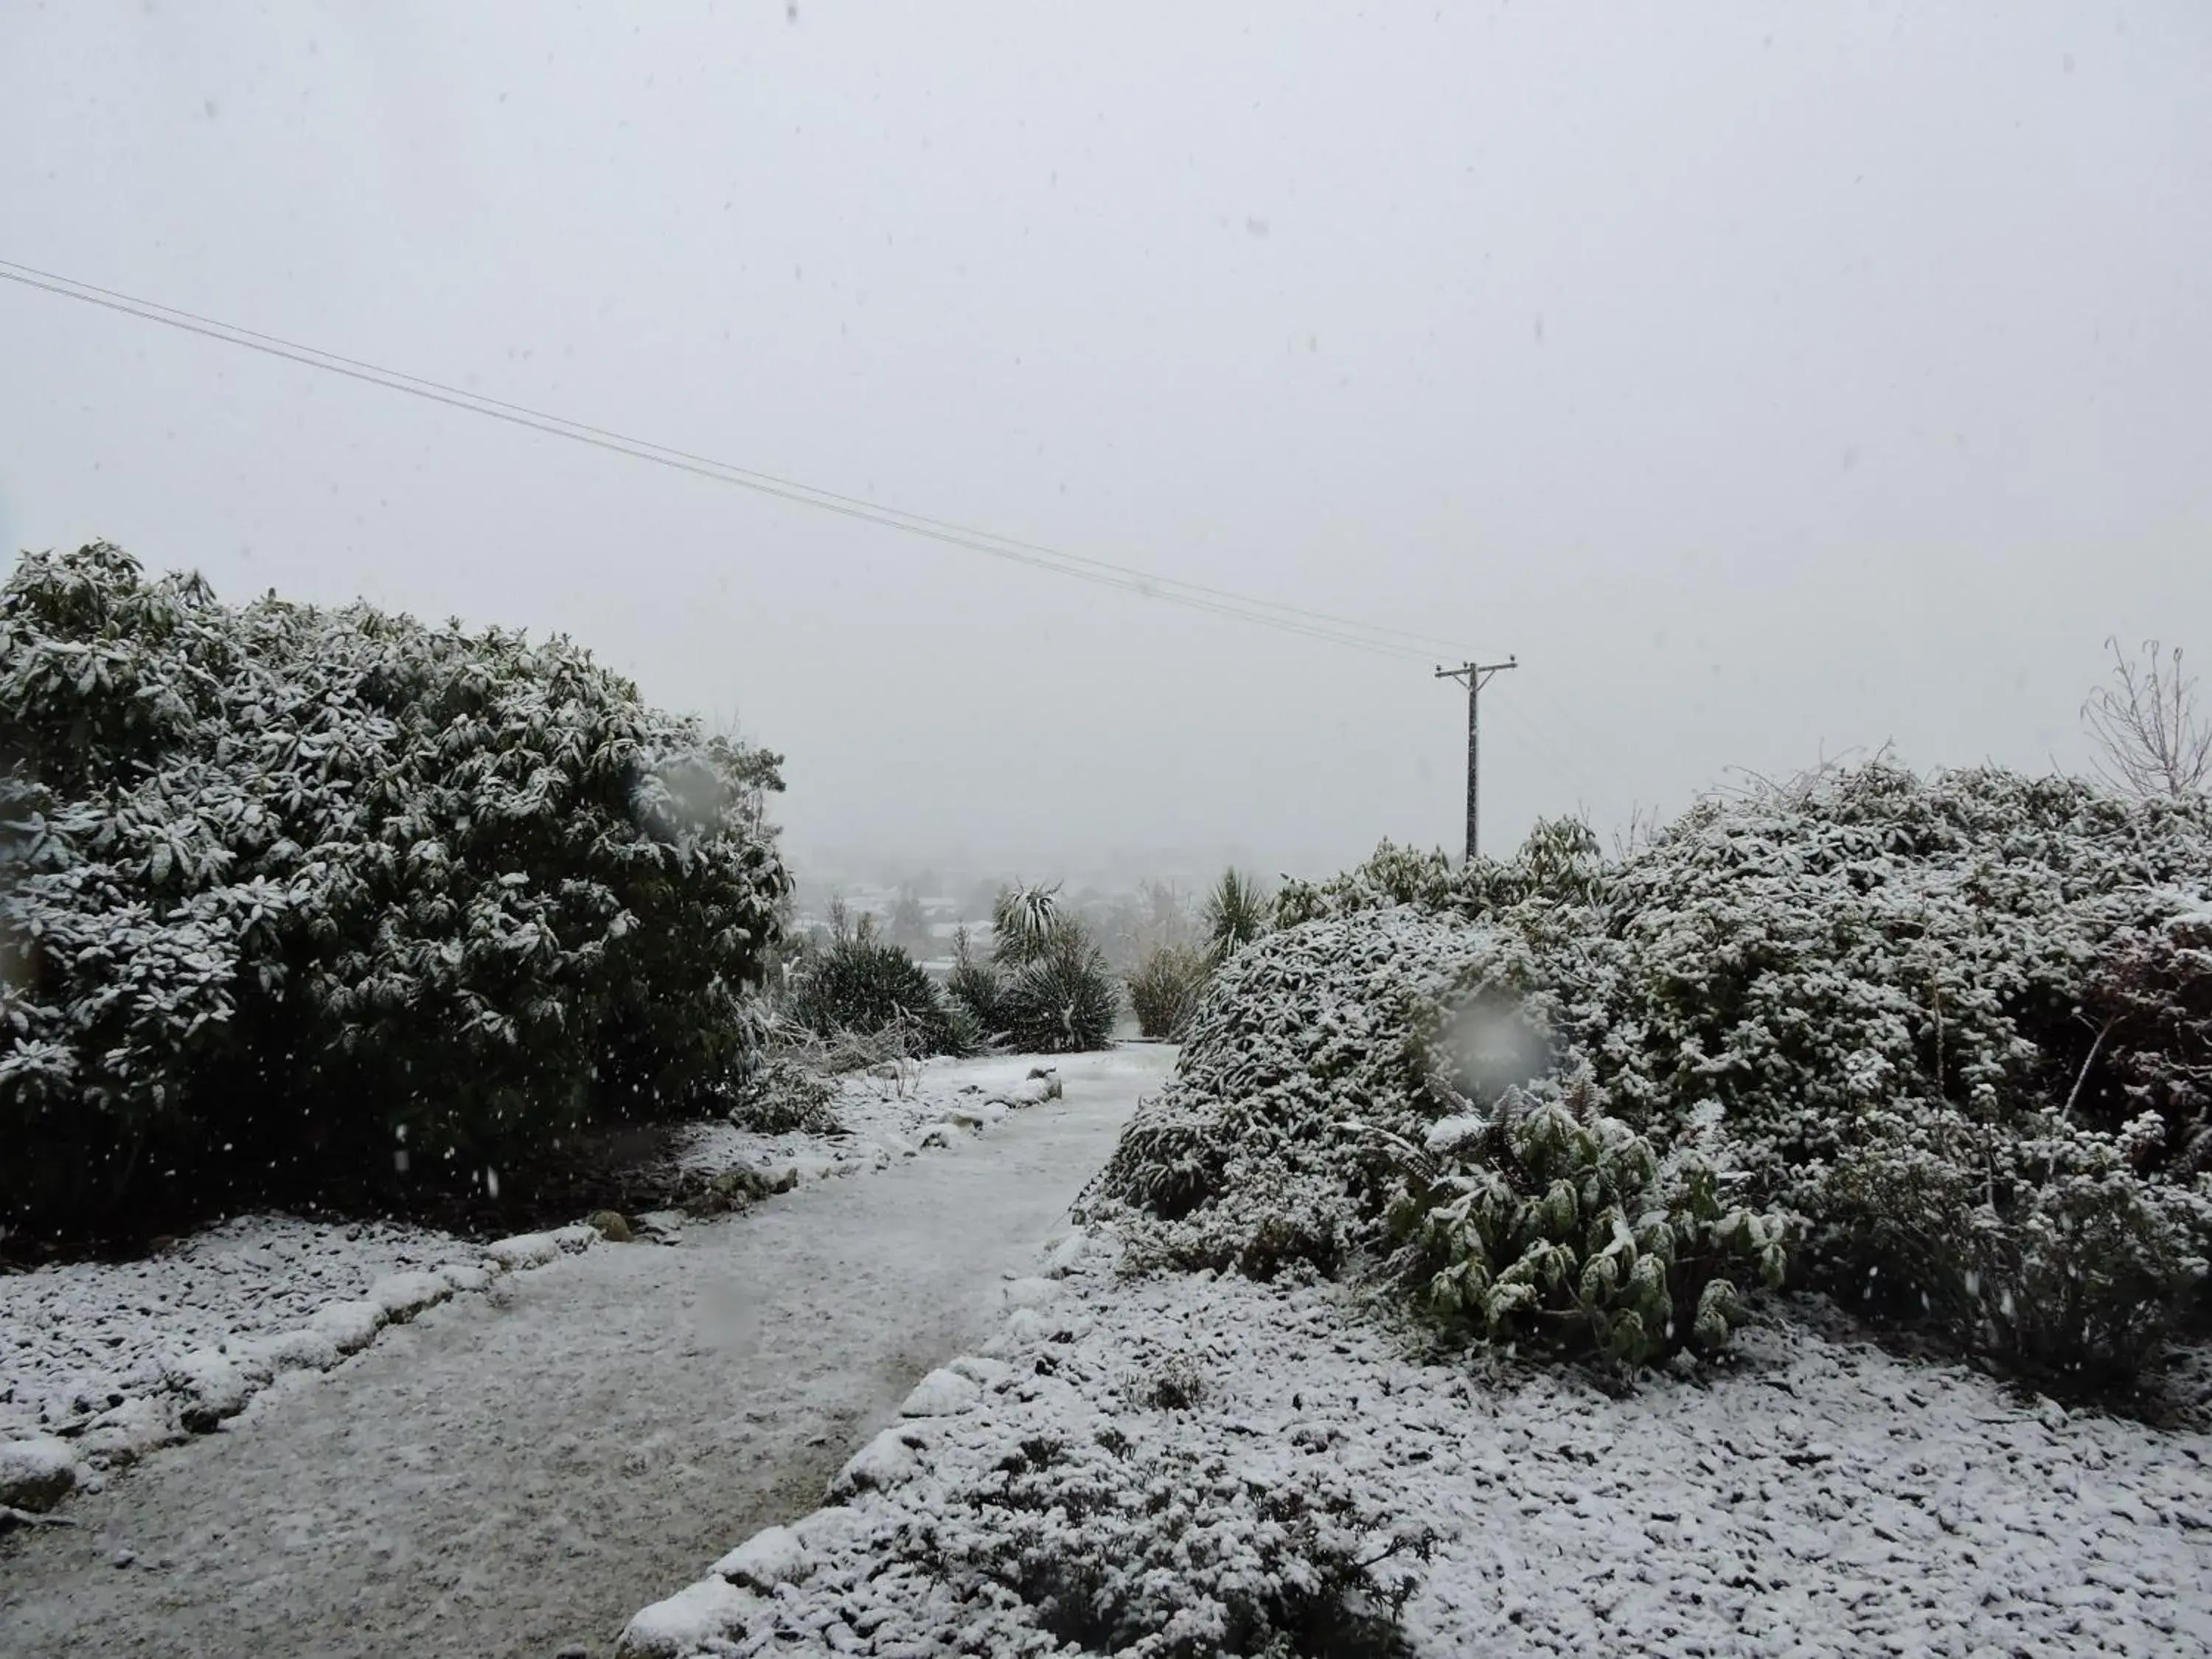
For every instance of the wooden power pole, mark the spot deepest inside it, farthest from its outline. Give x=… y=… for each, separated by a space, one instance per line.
x=1474 y=676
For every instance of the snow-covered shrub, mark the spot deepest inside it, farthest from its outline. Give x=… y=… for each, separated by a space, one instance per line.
x=1023 y=919
x=1164 y=990
x=293 y=896
x=2053 y=1255
x=974 y=987
x=1047 y=988
x=1961 y=1024
x=1555 y=1227
x=1253 y=1155
x=1061 y=998
x=1973 y=1006
x=1559 y=866
x=1388 y=1081
x=1887 y=987
x=2150 y=1000
x=1166 y=1553
x=862 y=984
x=785 y=1094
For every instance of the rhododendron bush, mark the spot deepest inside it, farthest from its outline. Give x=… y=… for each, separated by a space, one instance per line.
x=298 y=901
x=1944 y=1042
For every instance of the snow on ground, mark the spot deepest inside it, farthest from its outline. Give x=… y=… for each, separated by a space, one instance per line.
x=515 y=1473
x=1818 y=1496
x=120 y=1359
x=116 y=1359
x=104 y=1362
x=884 y=1118
x=84 y=1336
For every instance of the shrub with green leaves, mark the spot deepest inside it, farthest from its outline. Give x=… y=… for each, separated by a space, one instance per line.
x=974 y=986
x=304 y=903
x=784 y=1093
x=1023 y=919
x=1961 y=1024
x=1061 y=998
x=1164 y=991
x=1047 y=988
x=1254 y=1155
x=1551 y=1225
x=1112 y=1546
x=1236 y=911
x=860 y=982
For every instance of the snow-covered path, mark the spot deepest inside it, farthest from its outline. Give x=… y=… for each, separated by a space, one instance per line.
x=516 y=1475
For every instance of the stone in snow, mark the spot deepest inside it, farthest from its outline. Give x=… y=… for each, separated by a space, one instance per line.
x=1066 y=1254
x=893 y=1456
x=985 y=1373
x=943 y=1393
x=210 y=1386
x=349 y=1326
x=712 y=1610
x=770 y=1557
x=36 y=1475
x=402 y=1296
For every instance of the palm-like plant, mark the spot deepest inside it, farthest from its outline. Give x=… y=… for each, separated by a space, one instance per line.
x=1022 y=920
x=1236 y=912
x=1062 y=999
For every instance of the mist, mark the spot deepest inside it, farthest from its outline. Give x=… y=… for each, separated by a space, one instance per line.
x=1772 y=385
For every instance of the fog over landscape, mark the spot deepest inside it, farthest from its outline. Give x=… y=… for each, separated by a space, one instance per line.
x=1774 y=384
x=740 y=902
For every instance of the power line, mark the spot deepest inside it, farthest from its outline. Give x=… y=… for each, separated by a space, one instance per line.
x=1265 y=613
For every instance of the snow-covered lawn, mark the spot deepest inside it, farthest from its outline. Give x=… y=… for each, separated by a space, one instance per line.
x=102 y=1362
x=1160 y=1444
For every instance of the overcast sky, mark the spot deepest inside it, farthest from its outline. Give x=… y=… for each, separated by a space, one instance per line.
x=1772 y=380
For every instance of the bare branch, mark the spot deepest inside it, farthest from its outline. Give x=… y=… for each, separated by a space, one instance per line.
x=2150 y=736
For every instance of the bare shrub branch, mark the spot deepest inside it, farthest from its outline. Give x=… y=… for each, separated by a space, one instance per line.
x=2150 y=738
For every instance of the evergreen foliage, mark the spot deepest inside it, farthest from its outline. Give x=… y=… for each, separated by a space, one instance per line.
x=1960 y=1025
x=1164 y=990
x=1047 y=988
x=1236 y=911
x=1061 y=998
x=297 y=902
x=861 y=983
x=1555 y=1227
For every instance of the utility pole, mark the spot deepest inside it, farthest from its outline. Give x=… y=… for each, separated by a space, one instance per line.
x=1474 y=676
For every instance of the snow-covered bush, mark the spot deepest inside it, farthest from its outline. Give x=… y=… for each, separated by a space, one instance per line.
x=1165 y=1552
x=1389 y=1082
x=1164 y=990
x=1047 y=988
x=2150 y=1000
x=298 y=901
x=973 y=986
x=1888 y=987
x=2068 y=1265
x=1961 y=1023
x=785 y=1094
x=859 y=983
x=1555 y=1227
x=1254 y=1156
x=1023 y=919
x=1062 y=998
